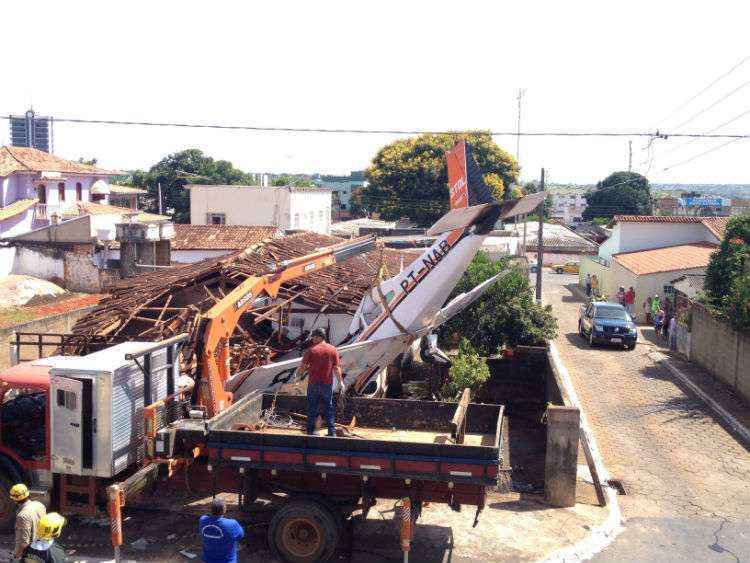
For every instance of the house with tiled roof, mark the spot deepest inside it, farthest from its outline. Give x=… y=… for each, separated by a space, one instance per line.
x=37 y=187
x=649 y=252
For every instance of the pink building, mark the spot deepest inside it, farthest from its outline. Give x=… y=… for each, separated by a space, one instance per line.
x=37 y=187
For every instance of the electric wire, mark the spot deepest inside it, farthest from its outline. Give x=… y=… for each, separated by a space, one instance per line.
x=711 y=106
x=391 y=131
x=704 y=90
x=692 y=158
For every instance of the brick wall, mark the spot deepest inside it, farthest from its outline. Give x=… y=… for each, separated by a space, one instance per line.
x=720 y=350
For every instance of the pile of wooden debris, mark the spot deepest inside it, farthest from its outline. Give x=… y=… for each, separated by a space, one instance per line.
x=159 y=305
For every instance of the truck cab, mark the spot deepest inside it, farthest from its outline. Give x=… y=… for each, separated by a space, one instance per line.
x=24 y=433
x=69 y=425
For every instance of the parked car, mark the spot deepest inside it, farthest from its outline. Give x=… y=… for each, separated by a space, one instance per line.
x=567 y=268
x=603 y=322
x=533 y=266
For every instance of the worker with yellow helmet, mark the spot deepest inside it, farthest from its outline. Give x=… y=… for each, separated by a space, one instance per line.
x=44 y=549
x=28 y=514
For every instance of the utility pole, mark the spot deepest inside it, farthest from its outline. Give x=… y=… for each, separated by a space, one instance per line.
x=630 y=156
x=158 y=190
x=539 y=238
x=521 y=93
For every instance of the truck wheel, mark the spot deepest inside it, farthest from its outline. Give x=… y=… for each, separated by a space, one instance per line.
x=559 y=270
x=7 y=506
x=303 y=531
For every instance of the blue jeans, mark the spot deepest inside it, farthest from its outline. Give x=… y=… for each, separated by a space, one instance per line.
x=320 y=393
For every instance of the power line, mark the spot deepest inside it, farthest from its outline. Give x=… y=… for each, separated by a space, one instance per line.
x=713 y=105
x=393 y=131
x=743 y=114
x=700 y=155
x=686 y=102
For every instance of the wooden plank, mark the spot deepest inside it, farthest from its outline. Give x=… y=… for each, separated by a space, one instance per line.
x=458 y=423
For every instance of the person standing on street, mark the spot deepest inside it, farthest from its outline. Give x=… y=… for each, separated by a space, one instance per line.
x=621 y=295
x=321 y=361
x=220 y=535
x=630 y=302
x=673 y=333
x=588 y=285
x=28 y=514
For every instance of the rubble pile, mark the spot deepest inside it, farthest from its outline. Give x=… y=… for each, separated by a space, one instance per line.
x=155 y=306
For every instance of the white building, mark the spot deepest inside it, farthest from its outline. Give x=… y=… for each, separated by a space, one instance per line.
x=568 y=207
x=284 y=207
x=647 y=252
x=35 y=186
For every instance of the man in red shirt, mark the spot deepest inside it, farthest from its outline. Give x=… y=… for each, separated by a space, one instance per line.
x=321 y=361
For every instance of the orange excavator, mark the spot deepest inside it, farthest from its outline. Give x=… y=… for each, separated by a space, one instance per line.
x=220 y=322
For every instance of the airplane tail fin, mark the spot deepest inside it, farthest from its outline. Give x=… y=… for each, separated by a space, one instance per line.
x=467 y=188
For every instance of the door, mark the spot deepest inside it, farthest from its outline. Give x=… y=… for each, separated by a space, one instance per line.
x=67 y=425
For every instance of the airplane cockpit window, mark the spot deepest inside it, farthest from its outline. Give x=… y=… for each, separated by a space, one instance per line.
x=370 y=309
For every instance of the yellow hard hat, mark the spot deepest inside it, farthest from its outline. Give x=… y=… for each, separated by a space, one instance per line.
x=19 y=492
x=50 y=526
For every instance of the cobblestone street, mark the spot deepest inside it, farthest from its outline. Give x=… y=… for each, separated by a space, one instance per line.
x=687 y=478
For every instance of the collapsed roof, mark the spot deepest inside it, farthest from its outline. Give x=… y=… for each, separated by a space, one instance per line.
x=159 y=305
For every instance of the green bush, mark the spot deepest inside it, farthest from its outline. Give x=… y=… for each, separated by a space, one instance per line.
x=506 y=315
x=467 y=370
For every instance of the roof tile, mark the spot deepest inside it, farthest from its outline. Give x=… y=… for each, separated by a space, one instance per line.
x=220 y=237
x=667 y=259
x=25 y=159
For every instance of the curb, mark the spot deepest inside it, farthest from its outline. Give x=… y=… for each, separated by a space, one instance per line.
x=604 y=534
x=736 y=426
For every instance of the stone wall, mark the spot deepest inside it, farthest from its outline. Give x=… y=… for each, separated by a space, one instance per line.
x=61 y=323
x=720 y=350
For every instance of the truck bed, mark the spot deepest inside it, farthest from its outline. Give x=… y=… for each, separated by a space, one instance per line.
x=401 y=439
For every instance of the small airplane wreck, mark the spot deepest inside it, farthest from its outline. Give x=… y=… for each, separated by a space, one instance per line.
x=248 y=315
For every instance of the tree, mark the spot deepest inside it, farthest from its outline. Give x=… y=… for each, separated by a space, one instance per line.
x=88 y=161
x=289 y=180
x=190 y=166
x=506 y=314
x=409 y=177
x=620 y=193
x=727 y=282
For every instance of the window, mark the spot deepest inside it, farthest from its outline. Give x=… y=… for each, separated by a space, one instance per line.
x=61 y=191
x=97 y=197
x=66 y=399
x=79 y=191
x=320 y=215
x=296 y=221
x=216 y=219
x=41 y=193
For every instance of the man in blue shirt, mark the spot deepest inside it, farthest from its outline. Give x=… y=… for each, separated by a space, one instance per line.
x=220 y=535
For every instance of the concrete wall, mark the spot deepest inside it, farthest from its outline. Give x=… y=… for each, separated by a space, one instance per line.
x=627 y=237
x=71 y=266
x=17 y=225
x=62 y=323
x=7 y=260
x=246 y=205
x=724 y=352
x=45 y=263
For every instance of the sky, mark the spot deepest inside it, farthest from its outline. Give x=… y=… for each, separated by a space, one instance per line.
x=585 y=66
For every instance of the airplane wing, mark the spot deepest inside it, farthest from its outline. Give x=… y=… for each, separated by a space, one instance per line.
x=462 y=301
x=367 y=357
x=463 y=217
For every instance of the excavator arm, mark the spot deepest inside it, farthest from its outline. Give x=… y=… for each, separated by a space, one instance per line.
x=220 y=322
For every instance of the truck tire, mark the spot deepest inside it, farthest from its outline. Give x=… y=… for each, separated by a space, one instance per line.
x=303 y=531
x=559 y=270
x=7 y=506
